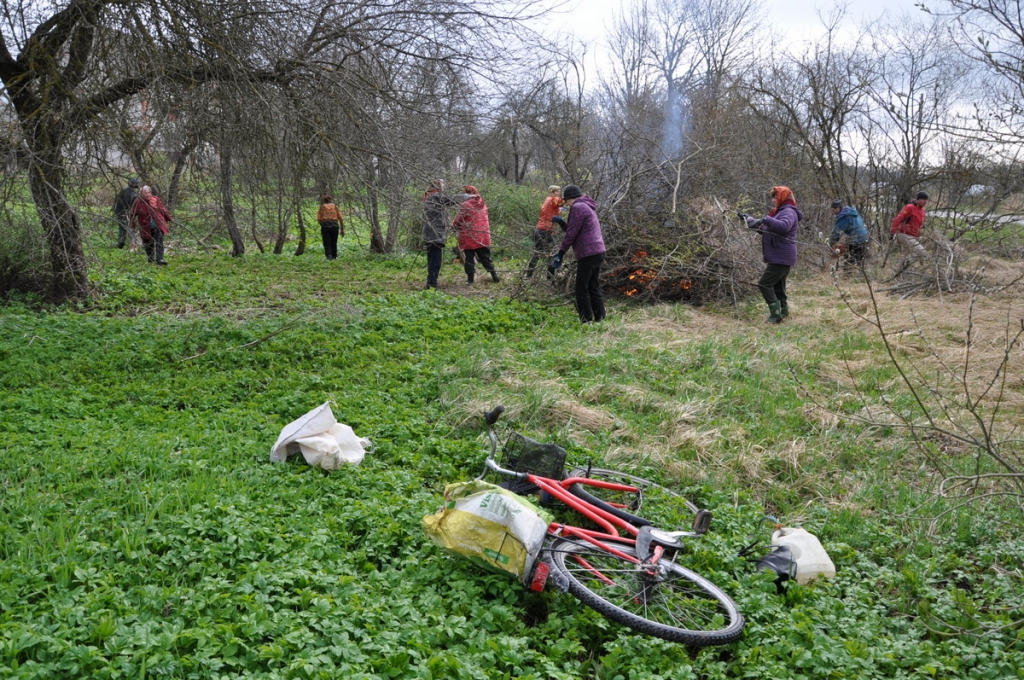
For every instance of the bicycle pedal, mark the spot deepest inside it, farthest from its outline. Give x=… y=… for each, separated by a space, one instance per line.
x=702 y=521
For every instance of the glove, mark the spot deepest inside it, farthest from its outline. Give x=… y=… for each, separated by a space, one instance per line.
x=556 y=260
x=743 y=216
x=752 y=223
x=560 y=222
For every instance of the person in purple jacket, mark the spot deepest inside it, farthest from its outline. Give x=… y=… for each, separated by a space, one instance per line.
x=583 y=234
x=778 y=247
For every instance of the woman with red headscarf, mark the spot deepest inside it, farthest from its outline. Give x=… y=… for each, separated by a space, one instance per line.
x=778 y=247
x=474 y=229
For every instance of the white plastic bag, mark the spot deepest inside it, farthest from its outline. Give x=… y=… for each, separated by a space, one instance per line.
x=322 y=441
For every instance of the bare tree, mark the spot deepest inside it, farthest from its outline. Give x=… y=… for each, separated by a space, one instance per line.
x=101 y=52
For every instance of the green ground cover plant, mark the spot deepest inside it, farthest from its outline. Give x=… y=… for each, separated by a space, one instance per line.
x=144 y=532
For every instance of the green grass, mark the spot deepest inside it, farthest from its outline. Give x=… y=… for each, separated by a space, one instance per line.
x=144 y=532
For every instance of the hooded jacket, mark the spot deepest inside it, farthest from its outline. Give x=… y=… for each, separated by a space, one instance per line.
x=909 y=221
x=472 y=224
x=583 y=232
x=849 y=222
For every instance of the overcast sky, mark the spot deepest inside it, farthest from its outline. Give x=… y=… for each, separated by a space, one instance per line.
x=796 y=19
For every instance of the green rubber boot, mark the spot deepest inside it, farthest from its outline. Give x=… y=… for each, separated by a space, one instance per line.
x=776 y=310
x=785 y=309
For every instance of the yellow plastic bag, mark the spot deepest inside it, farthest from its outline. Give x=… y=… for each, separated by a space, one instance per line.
x=490 y=526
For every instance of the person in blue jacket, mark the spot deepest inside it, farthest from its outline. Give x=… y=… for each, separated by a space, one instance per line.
x=849 y=224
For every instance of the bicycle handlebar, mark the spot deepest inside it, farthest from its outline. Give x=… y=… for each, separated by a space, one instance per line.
x=492 y=417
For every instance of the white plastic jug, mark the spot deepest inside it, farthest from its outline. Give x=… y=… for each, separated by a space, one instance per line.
x=811 y=559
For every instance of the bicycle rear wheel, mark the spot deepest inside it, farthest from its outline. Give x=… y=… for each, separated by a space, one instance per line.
x=665 y=600
x=662 y=507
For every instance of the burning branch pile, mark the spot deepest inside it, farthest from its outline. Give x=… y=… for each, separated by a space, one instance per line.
x=695 y=257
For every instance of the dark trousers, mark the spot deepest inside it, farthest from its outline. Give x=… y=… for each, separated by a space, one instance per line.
x=484 y=254
x=589 y=301
x=856 y=253
x=329 y=230
x=122 y=231
x=543 y=244
x=435 y=255
x=773 y=283
x=155 y=246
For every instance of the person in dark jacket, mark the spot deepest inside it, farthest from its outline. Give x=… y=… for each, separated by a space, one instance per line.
x=435 y=226
x=122 y=207
x=778 y=231
x=583 y=235
x=849 y=225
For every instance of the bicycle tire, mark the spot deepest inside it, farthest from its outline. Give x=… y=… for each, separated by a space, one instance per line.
x=674 y=507
x=681 y=606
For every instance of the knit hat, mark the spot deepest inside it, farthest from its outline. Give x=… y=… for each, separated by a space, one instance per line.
x=571 y=191
x=470 y=189
x=837 y=204
x=554 y=187
x=922 y=196
x=134 y=183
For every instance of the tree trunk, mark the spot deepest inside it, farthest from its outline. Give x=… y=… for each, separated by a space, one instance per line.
x=297 y=201
x=60 y=222
x=377 y=244
x=228 y=202
x=282 y=226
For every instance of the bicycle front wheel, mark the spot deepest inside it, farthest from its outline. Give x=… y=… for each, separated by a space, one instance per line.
x=661 y=506
x=665 y=600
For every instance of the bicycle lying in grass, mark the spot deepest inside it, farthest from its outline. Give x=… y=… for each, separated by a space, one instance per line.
x=626 y=569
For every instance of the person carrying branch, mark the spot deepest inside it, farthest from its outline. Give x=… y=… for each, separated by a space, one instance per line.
x=583 y=235
x=332 y=224
x=778 y=231
x=544 y=232
x=849 y=224
x=474 y=231
x=906 y=228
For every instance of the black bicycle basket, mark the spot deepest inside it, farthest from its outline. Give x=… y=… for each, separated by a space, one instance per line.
x=523 y=454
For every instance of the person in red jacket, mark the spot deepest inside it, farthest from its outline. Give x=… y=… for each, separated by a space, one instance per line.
x=544 y=233
x=151 y=217
x=906 y=228
x=474 y=229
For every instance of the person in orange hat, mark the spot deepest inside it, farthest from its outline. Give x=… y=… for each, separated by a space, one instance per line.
x=474 y=229
x=778 y=231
